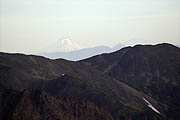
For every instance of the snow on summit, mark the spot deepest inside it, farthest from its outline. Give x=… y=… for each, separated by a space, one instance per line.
x=62 y=45
x=69 y=45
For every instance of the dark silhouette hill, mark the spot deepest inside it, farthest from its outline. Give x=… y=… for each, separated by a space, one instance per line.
x=65 y=78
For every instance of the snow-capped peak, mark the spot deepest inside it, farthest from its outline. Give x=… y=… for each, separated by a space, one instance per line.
x=62 y=45
x=69 y=45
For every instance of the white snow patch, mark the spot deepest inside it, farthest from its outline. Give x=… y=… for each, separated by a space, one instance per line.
x=150 y=105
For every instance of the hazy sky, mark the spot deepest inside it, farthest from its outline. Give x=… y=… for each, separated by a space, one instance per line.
x=31 y=25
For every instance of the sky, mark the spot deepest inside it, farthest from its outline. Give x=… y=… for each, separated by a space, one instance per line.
x=31 y=25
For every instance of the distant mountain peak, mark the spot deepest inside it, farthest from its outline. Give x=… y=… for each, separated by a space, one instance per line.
x=69 y=45
x=62 y=45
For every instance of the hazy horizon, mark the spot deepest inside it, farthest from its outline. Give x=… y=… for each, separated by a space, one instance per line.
x=31 y=25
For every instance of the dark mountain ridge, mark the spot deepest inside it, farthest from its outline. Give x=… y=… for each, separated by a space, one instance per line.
x=65 y=78
x=152 y=69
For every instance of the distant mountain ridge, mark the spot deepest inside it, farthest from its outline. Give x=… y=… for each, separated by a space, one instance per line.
x=79 y=53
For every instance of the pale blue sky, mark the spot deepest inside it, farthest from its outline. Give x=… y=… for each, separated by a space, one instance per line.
x=31 y=25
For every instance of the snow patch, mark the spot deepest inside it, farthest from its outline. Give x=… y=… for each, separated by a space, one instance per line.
x=151 y=106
